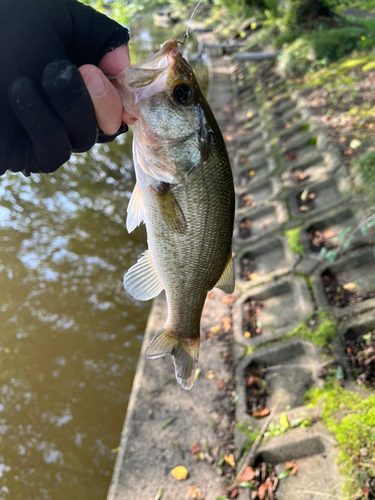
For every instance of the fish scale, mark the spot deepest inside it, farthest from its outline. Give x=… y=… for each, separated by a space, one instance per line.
x=185 y=196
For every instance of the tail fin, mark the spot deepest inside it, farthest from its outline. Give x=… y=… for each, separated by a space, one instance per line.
x=185 y=355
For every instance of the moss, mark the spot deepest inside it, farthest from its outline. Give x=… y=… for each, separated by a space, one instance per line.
x=251 y=436
x=312 y=396
x=351 y=418
x=294 y=240
x=322 y=336
x=366 y=165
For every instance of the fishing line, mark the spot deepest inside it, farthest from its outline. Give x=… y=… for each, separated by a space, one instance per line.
x=186 y=35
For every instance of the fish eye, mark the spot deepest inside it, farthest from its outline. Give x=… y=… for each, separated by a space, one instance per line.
x=182 y=93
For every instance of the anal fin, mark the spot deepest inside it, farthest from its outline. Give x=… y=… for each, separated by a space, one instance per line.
x=226 y=281
x=141 y=280
x=185 y=355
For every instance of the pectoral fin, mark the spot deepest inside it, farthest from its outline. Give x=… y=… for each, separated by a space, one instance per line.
x=226 y=281
x=160 y=168
x=141 y=280
x=170 y=210
x=184 y=352
x=135 y=210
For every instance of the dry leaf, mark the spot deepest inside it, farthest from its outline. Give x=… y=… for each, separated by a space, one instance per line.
x=227 y=323
x=234 y=493
x=247 y=335
x=215 y=329
x=252 y=380
x=304 y=194
x=220 y=384
x=210 y=374
x=248 y=475
x=253 y=276
x=349 y=286
x=348 y=151
x=230 y=460
x=261 y=413
x=211 y=295
x=227 y=299
x=264 y=489
x=193 y=492
x=329 y=234
x=179 y=473
x=252 y=173
x=293 y=466
x=249 y=114
x=195 y=448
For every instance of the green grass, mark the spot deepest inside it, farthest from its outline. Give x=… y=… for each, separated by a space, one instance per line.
x=322 y=336
x=366 y=165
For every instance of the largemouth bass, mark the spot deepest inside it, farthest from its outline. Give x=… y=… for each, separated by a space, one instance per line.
x=184 y=194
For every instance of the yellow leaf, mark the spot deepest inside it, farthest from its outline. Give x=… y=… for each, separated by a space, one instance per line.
x=253 y=276
x=284 y=421
x=210 y=375
x=247 y=335
x=252 y=173
x=230 y=460
x=249 y=114
x=215 y=329
x=179 y=473
x=349 y=286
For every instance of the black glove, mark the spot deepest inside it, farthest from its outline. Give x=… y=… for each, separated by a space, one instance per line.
x=46 y=112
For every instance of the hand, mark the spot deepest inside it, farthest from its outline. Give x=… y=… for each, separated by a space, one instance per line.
x=46 y=112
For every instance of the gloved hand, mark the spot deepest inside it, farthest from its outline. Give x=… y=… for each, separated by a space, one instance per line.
x=46 y=112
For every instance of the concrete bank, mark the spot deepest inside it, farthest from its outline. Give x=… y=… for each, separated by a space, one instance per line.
x=163 y=421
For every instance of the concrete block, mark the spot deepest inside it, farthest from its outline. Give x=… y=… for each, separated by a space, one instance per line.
x=285 y=303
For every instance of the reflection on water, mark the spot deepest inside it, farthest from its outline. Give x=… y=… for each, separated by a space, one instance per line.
x=70 y=335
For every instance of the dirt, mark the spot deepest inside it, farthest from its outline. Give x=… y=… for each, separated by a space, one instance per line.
x=319 y=239
x=339 y=296
x=245 y=228
x=264 y=483
x=360 y=350
x=247 y=267
x=251 y=310
x=257 y=391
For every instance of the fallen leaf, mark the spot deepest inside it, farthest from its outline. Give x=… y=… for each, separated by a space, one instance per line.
x=227 y=323
x=253 y=276
x=249 y=114
x=349 y=286
x=227 y=299
x=329 y=234
x=252 y=173
x=355 y=143
x=220 y=384
x=234 y=493
x=211 y=295
x=304 y=194
x=215 y=329
x=252 y=380
x=348 y=151
x=284 y=421
x=168 y=422
x=264 y=489
x=210 y=374
x=197 y=373
x=248 y=475
x=195 y=448
x=261 y=413
x=180 y=473
x=312 y=196
x=230 y=460
x=293 y=466
x=247 y=335
x=159 y=494
x=193 y=492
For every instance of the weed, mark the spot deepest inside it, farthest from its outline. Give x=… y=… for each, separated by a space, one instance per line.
x=294 y=240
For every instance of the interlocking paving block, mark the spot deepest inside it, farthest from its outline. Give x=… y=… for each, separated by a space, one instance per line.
x=314 y=451
x=314 y=166
x=285 y=303
x=291 y=369
x=270 y=257
x=320 y=196
x=359 y=325
x=357 y=268
x=252 y=140
x=325 y=230
x=255 y=172
x=258 y=193
x=258 y=223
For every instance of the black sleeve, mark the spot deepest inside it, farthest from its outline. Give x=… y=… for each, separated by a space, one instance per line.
x=46 y=112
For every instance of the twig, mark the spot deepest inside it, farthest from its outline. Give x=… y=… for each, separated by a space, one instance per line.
x=255 y=445
x=362 y=425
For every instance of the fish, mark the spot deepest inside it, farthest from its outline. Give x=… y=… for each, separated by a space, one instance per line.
x=185 y=196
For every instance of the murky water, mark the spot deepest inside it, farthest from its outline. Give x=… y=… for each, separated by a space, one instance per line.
x=69 y=334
